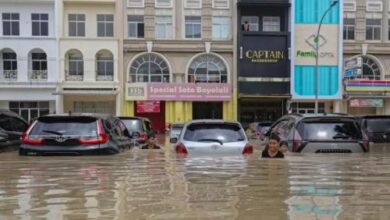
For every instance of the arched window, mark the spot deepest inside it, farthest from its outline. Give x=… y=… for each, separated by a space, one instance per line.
x=371 y=69
x=207 y=68
x=149 y=68
x=37 y=65
x=9 y=65
x=104 y=66
x=75 y=66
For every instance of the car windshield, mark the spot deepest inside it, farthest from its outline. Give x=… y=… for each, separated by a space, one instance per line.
x=224 y=133
x=378 y=125
x=65 y=126
x=329 y=130
x=133 y=125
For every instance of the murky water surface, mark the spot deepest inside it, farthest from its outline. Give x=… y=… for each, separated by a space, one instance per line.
x=158 y=184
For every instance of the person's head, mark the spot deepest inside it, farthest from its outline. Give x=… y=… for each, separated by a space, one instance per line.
x=283 y=146
x=273 y=143
x=151 y=138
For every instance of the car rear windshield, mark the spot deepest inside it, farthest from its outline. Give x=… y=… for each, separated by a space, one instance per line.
x=329 y=130
x=75 y=126
x=378 y=125
x=177 y=126
x=218 y=131
x=133 y=125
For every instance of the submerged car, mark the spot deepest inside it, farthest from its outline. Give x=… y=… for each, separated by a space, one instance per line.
x=212 y=137
x=11 y=128
x=377 y=127
x=138 y=127
x=75 y=135
x=321 y=133
x=175 y=130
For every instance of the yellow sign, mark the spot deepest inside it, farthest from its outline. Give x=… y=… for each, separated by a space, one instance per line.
x=264 y=56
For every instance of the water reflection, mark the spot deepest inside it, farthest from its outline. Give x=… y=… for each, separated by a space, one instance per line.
x=158 y=184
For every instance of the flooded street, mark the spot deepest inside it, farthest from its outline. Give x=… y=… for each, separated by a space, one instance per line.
x=158 y=184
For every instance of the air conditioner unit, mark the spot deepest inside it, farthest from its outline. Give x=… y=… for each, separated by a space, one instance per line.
x=374 y=6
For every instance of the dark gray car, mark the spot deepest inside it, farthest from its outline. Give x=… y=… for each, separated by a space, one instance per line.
x=377 y=127
x=11 y=128
x=321 y=133
x=75 y=135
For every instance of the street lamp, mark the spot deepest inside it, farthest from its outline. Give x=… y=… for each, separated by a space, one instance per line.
x=316 y=39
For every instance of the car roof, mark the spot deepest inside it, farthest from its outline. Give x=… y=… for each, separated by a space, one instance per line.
x=373 y=116
x=133 y=117
x=10 y=113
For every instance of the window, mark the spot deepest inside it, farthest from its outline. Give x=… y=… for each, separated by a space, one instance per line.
x=75 y=66
x=163 y=3
x=193 y=4
x=135 y=26
x=164 y=28
x=40 y=24
x=349 y=29
x=370 y=69
x=10 y=24
x=105 y=25
x=135 y=3
x=373 y=29
x=221 y=27
x=10 y=66
x=193 y=27
x=149 y=68
x=14 y=124
x=105 y=66
x=76 y=25
x=306 y=107
x=250 y=23
x=30 y=110
x=207 y=68
x=220 y=3
x=271 y=24
x=38 y=66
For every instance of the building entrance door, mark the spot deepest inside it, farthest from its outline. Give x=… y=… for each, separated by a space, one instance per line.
x=207 y=110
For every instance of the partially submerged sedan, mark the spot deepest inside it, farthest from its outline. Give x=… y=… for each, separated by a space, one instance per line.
x=212 y=137
x=75 y=135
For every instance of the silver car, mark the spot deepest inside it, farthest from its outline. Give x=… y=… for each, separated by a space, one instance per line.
x=212 y=137
x=175 y=130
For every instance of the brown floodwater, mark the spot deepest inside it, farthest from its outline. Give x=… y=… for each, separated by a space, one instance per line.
x=158 y=184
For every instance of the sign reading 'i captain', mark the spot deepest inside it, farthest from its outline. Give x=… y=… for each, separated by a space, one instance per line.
x=307 y=16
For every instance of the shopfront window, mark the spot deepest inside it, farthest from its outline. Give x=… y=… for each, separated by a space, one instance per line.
x=149 y=68
x=207 y=68
x=30 y=110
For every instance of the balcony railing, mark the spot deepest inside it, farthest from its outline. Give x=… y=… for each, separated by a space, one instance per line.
x=38 y=75
x=8 y=75
x=104 y=77
x=73 y=77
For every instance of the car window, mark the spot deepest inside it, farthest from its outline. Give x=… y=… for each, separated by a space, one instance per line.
x=329 y=130
x=12 y=124
x=133 y=125
x=378 y=125
x=177 y=126
x=222 y=132
x=65 y=126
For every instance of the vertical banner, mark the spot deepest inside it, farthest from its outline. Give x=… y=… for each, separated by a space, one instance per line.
x=306 y=17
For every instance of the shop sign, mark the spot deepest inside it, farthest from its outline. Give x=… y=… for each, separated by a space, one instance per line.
x=179 y=91
x=377 y=103
x=265 y=56
x=148 y=106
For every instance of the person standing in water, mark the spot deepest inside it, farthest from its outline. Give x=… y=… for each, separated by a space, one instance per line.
x=273 y=148
x=151 y=142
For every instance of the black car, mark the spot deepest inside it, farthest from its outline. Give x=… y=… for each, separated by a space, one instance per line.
x=321 y=133
x=377 y=127
x=11 y=128
x=75 y=135
x=138 y=127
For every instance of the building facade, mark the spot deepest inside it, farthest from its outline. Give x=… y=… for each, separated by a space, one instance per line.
x=367 y=57
x=89 y=56
x=179 y=60
x=28 y=57
x=263 y=59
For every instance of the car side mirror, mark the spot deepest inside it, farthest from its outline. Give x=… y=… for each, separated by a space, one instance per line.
x=173 y=140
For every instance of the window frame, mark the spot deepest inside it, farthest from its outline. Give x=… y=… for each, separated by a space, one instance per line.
x=187 y=7
x=136 y=26
x=40 y=23
x=213 y=5
x=193 y=24
x=373 y=28
x=271 y=24
x=11 y=22
x=221 y=25
x=156 y=4
x=347 y=27
x=136 y=6
x=77 y=22
x=166 y=27
x=106 y=24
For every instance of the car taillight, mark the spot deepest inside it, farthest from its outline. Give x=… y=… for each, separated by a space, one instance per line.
x=297 y=141
x=101 y=139
x=181 y=149
x=26 y=139
x=142 y=136
x=248 y=149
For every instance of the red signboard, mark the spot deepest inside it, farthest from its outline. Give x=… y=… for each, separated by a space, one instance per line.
x=148 y=106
